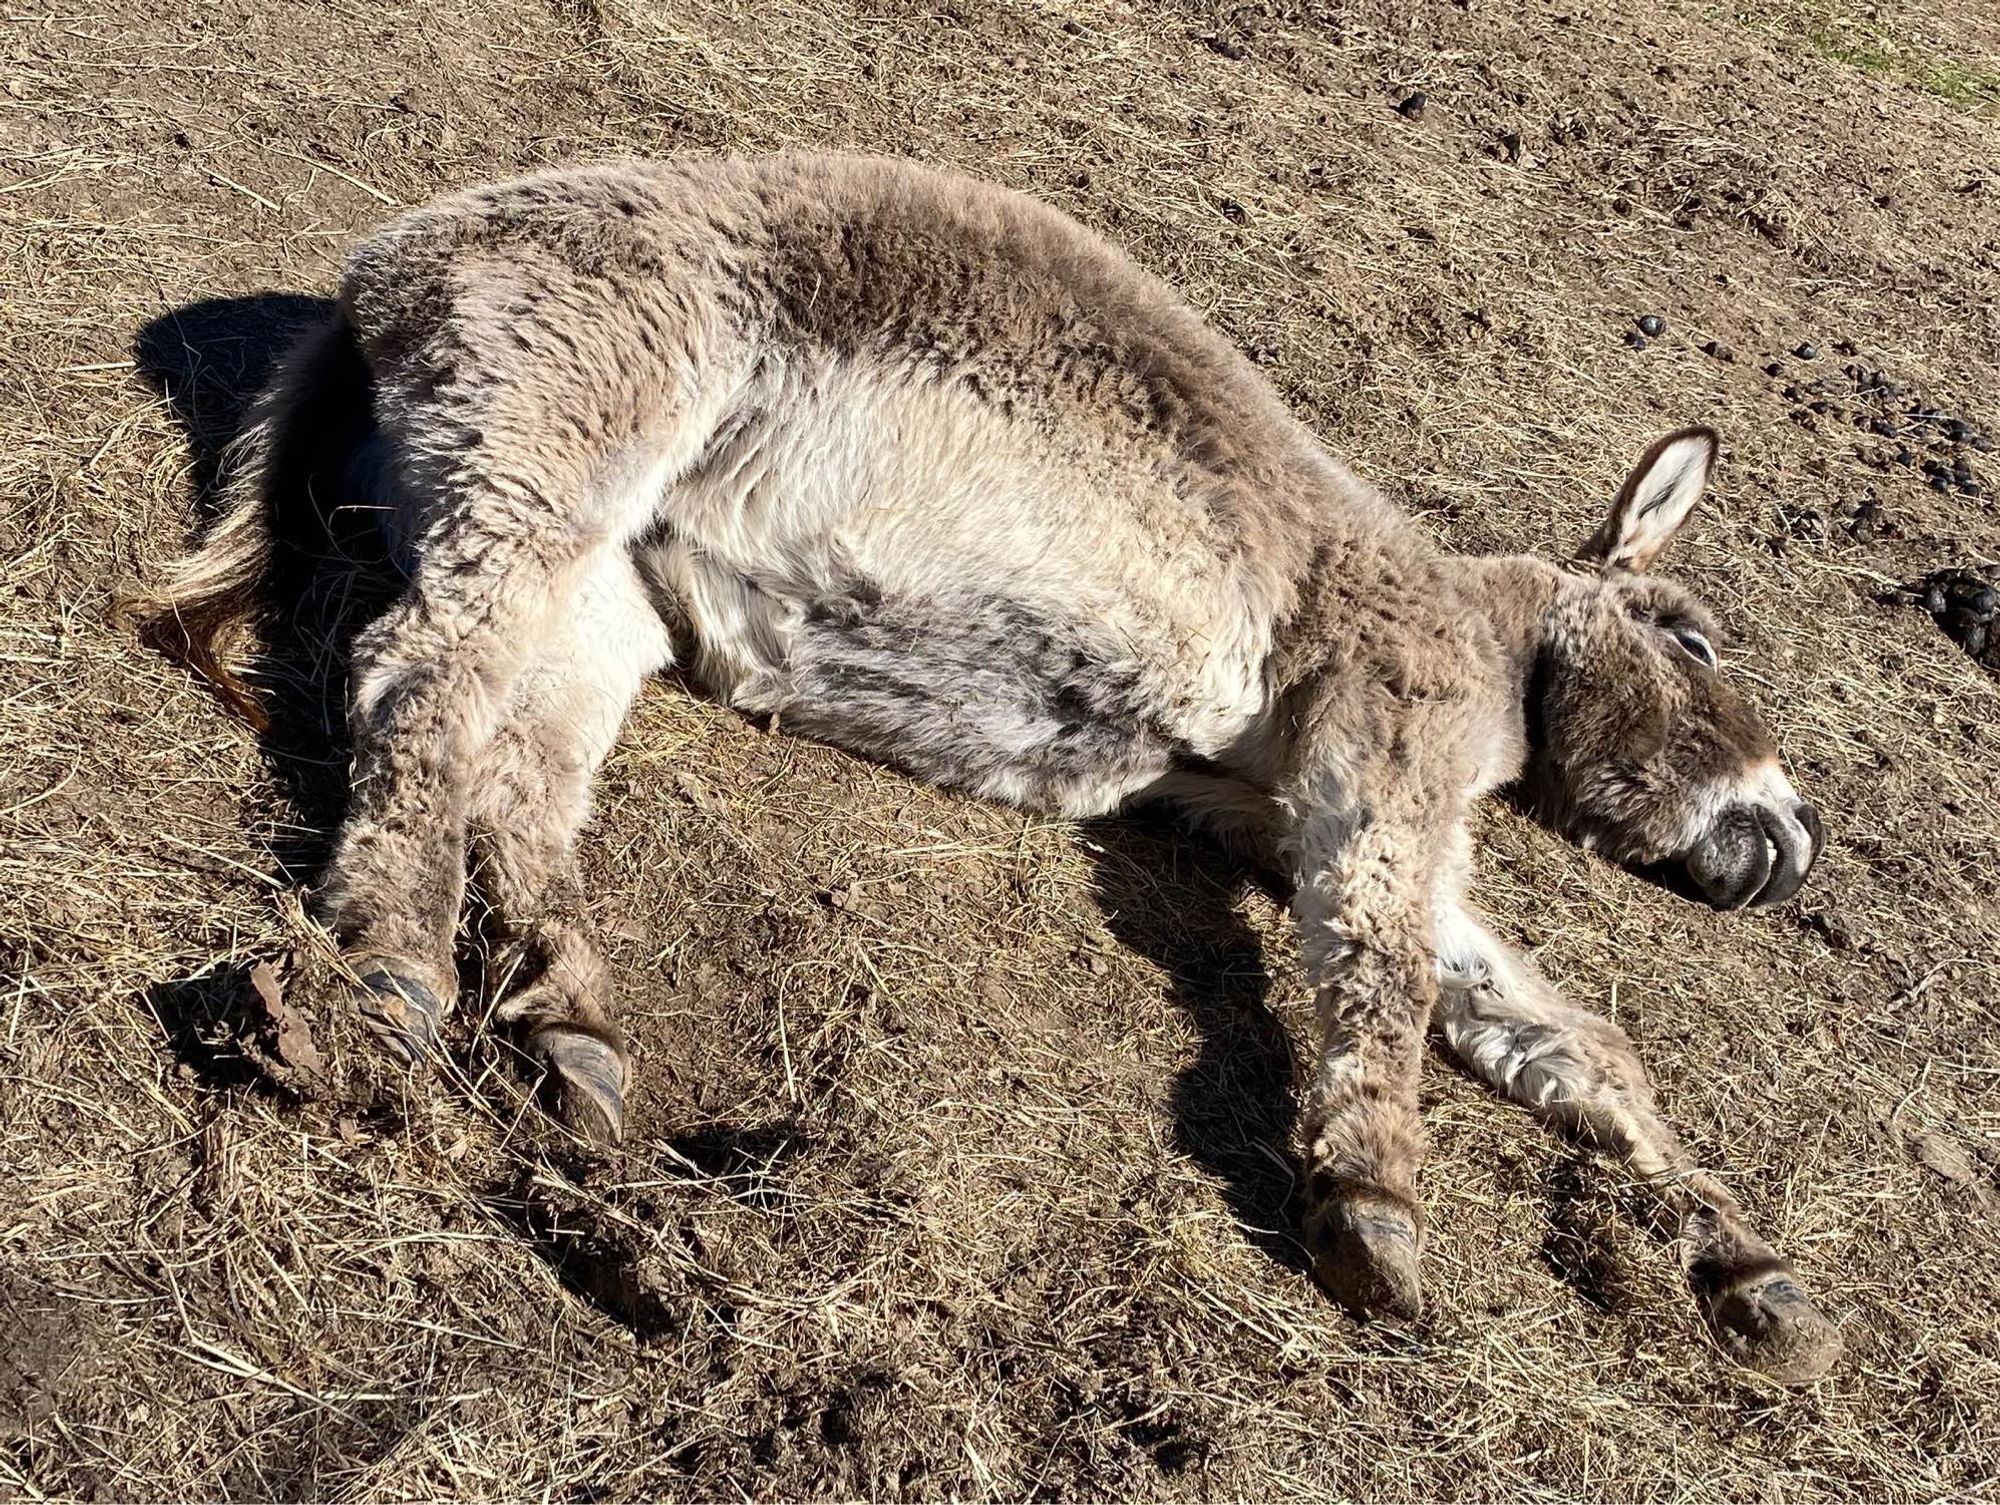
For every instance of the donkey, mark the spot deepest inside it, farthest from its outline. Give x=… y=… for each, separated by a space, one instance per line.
x=933 y=473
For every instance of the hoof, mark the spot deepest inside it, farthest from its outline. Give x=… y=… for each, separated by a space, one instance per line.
x=1364 y=1253
x=1765 y=1322
x=402 y=1012
x=585 y=1084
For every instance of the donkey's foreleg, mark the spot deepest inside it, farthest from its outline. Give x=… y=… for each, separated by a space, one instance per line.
x=1362 y=909
x=1579 y=1072
x=532 y=798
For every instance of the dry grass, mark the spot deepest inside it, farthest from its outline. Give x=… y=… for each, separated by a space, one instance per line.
x=977 y=1180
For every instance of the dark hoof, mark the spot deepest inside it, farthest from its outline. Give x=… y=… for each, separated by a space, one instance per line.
x=585 y=1084
x=1767 y=1323
x=1364 y=1253
x=402 y=1012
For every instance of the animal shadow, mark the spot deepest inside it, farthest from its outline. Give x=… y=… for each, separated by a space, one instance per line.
x=597 y=1243
x=1171 y=898
x=602 y=1262
x=1582 y=1245
x=209 y=360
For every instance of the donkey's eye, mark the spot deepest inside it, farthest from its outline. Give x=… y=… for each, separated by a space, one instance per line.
x=1698 y=647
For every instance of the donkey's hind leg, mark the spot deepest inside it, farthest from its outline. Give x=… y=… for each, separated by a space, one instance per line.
x=431 y=681
x=1578 y=1072
x=535 y=415
x=532 y=797
x=512 y=537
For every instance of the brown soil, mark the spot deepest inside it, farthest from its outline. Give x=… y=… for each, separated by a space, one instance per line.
x=963 y=1163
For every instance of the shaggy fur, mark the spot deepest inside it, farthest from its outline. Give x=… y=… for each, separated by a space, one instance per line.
x=932 y=473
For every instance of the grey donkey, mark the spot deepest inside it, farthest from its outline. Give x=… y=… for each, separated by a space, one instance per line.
x=932 y=473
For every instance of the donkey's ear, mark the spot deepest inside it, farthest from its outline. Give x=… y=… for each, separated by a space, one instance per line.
x=1654 y=501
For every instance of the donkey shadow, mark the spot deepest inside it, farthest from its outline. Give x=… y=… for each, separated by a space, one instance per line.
x=1164 y=894
x=208 y=360
x=1171 y=898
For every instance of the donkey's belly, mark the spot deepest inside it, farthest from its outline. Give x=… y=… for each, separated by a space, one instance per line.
x=997 y=605
x=976 y=693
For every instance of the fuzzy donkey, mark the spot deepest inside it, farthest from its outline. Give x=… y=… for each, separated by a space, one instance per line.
x=942 y=478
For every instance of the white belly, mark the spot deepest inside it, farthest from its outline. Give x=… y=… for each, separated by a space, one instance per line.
x=895 y=568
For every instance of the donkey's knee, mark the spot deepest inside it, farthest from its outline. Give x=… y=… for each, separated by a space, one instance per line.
x=429 y=689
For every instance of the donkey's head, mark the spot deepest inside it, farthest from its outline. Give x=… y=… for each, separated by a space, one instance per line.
x=1641 y=747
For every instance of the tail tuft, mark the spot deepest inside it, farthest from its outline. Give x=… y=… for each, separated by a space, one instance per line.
x=206 y=609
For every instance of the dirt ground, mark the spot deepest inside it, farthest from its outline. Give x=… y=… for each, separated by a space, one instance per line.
x=963 y=1160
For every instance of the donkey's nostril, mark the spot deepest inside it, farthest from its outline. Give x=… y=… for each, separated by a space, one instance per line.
x=1808 y=817
x=1794 y=840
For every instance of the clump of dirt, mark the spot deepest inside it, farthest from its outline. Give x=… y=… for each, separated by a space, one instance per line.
x=1964 y=604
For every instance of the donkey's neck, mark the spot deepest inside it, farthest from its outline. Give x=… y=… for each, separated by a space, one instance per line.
x=1511 y=595
x=1514 y=594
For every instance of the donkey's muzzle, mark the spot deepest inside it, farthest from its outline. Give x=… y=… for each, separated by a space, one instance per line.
x=1756 y=854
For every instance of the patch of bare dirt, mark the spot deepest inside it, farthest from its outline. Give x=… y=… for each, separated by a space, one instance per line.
x=962 y=1159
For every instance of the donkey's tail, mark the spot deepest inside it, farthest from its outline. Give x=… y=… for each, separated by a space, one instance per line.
x=279 y=482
